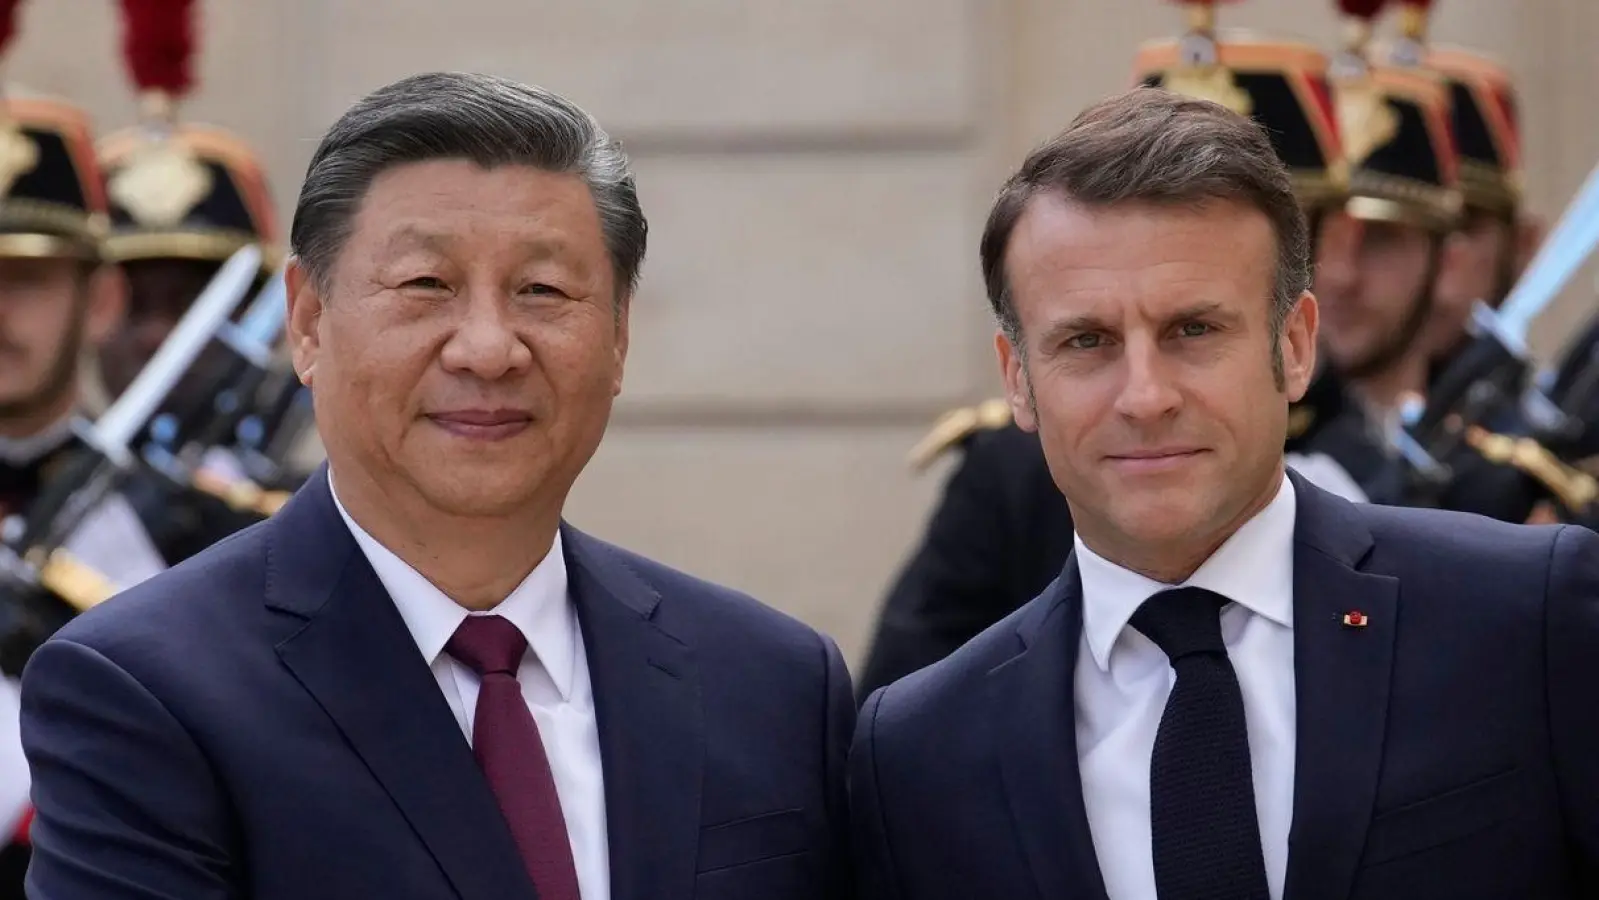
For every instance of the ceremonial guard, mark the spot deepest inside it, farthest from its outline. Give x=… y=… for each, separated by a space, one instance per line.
x=60 y=299
x=65 y=296
x=1428 y=230
x=1496 y=235
x=1498 y=239
x=1001 y=529
x=182 y=198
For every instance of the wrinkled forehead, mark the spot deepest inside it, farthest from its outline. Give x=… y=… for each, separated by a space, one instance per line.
x=1142 y=254
x=456 y=207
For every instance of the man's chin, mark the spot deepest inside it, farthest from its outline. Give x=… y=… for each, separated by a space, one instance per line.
x=471 y=491
x=1160 y=510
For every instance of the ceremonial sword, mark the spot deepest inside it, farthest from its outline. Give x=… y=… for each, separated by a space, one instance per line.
x=1495 y=368
x=179 y=440
x=110 y=438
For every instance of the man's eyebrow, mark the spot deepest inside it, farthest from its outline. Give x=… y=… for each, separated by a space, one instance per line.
x=1058 y=331
x=1205 y=310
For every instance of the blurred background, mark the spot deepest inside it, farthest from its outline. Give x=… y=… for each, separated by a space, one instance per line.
x=815 y=174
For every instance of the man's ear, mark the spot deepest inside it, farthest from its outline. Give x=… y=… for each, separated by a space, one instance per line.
x=1013 y=368
x=305 y=302
x=1298 y=346
x=624 y=306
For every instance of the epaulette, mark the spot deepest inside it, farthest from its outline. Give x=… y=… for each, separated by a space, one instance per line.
x=956 y=426
x=1575 y=489
x=241 y=495
x=69 y=578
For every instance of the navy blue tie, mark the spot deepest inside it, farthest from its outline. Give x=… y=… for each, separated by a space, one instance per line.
x=1204 y=830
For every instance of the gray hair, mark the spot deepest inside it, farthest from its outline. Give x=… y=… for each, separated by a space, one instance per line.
x=1149 y=145
x=482 y=118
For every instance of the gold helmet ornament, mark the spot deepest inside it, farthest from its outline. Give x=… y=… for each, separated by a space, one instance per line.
x=1281 y=84
x=1396 y=131
x=179 y=190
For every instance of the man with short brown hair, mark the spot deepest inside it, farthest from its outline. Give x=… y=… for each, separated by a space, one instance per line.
x=1221 y=696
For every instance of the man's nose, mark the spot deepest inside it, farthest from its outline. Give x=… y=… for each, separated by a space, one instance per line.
x=484 y=342
x=1147 y=391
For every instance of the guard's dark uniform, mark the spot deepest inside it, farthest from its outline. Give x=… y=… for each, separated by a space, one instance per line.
x=998 y=536
x=1576 y=391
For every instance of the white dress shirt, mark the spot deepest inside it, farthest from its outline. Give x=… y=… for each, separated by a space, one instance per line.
x=554 y=677
x=1123 y=679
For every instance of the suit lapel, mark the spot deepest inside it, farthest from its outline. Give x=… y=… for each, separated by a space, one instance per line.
x=1036 y=743
x=651 y=724
x=356 y=657
x=1341 y=677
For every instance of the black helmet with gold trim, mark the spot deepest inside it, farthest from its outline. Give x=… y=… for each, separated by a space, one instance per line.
x=1483 y=113
x=1487 y=128
x=1280 y=84
x=1398 y=139
x=178 y=190
x=52 y=203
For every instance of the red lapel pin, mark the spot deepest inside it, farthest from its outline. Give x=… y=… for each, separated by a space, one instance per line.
x=1355 y=619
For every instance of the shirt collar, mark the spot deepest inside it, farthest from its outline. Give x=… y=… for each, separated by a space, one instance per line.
x=538 y=607
x=1253 y=568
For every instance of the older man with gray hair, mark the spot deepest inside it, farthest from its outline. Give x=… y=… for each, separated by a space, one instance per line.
x=417 y=681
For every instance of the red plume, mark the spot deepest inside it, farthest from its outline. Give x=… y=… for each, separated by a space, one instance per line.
x=1361 y=9
x=8 y=22
x=159 y=44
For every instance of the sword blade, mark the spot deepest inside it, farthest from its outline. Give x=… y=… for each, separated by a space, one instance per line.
x=1566 y=248
x=259 y=327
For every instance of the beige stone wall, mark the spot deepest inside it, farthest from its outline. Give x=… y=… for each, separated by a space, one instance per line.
x=816 y=174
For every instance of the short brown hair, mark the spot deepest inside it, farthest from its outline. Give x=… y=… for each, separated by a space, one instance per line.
x=1149 y=145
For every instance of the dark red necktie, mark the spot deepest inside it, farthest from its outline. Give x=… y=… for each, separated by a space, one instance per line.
x=505 y=739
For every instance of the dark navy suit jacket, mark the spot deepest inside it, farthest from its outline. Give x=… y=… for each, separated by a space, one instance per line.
x=1448 y=749
x=259 y=723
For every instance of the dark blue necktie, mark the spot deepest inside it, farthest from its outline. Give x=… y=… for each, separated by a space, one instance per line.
x=1205 y=834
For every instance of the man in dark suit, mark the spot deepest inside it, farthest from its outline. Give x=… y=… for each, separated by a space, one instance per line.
x=416 y=680
x=1241 y=686
x=1000 y=530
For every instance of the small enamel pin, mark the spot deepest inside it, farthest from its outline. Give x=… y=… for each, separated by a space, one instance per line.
x=1355 y=619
